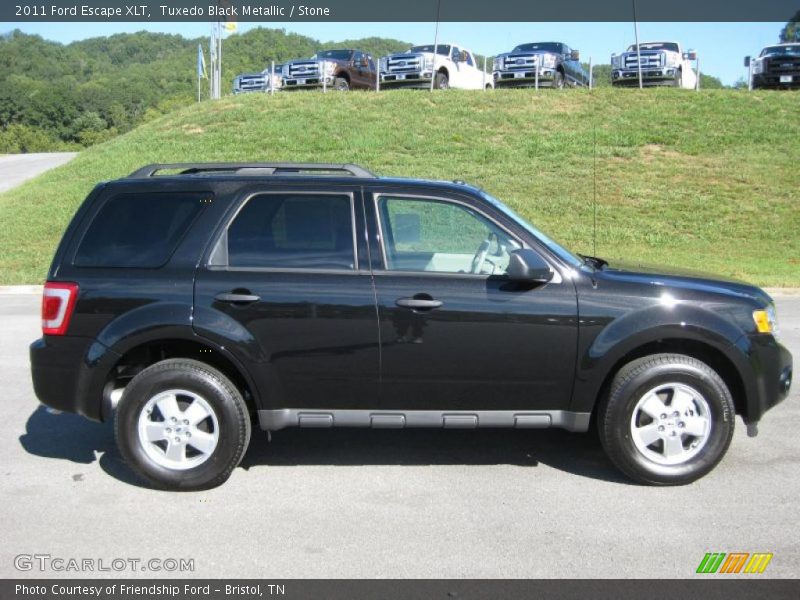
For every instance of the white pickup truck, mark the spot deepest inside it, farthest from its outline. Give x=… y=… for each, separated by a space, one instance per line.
x=663 y=63
x=451 y=66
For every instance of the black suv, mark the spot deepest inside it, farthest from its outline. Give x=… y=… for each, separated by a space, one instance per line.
x=188 y=301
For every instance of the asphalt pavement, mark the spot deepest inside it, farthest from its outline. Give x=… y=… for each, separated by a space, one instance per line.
x=17 y=168
x=366 y=504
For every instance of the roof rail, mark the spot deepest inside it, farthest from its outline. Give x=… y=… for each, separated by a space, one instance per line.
x=255 y=168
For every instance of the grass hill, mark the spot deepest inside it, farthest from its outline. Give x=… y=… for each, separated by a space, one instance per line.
x=707 y=180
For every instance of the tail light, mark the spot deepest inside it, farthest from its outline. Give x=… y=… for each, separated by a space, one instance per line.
x=58 y=302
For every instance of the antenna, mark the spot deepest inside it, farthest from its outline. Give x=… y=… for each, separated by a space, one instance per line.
x=638 y=50
x=594 y=188
x=594 y=176
x=436 y=45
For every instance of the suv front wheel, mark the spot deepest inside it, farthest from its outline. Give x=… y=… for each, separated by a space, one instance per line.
x=668 y=419
x=182 y=425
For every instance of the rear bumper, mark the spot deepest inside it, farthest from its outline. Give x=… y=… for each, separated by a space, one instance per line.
x=69 y=374
x=772 y=367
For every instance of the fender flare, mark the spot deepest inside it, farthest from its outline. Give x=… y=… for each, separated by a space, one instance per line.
x=682 y=323
x=152 y=323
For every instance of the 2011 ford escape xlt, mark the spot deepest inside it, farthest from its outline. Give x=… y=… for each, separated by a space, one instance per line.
x=188 y=301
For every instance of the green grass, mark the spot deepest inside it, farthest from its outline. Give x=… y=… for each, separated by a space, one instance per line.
x=707 y=180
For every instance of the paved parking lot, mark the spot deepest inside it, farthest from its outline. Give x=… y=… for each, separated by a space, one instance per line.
x=352 y=503
x=17 y=168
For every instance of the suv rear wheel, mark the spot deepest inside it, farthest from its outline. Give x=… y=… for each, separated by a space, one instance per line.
x=668 y=419
x=182 y=425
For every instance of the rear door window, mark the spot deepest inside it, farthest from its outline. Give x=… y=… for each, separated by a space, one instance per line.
x=293 y=231
x=139 y=230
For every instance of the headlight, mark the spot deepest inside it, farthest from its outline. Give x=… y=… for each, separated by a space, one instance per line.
x=385 y=63
x=429 y=61
x=672 y=60
x=766 y=320
x=758 y=67
x=548 y=61
x=497 y=63
x=285 y=70
x=616 y=61
x=327 y=67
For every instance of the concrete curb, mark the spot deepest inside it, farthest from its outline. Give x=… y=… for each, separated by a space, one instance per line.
x=19 y=290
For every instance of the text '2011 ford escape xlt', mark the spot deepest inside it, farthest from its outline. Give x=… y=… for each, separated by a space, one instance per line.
x=188 y=301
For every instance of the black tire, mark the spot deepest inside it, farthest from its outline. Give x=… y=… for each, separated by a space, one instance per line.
x=442 y=81
x=631 y=384
x=558 y=80
x=678 y=82
x=341 y=84
x=230 y=412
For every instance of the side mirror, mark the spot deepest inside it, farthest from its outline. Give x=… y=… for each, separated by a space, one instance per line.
x=690 y=55
x=575 y=55
x=525 y=265
x=747 y=61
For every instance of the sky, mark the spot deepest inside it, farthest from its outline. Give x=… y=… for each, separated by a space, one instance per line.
x=721 y=47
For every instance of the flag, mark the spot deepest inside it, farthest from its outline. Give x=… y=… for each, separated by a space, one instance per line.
x=201 y=63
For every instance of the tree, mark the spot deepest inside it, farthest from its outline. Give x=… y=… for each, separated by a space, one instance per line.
x=791 y=31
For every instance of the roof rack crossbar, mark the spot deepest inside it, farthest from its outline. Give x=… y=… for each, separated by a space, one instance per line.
x=266 y=168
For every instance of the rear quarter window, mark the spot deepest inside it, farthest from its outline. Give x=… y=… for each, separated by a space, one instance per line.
x=138 y=230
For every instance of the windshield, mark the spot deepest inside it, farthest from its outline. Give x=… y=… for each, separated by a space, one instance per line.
x=443 y=49
x=794 y=50
x=334 y=54
x=669 y=46
x=545 y=47
x=552 y=245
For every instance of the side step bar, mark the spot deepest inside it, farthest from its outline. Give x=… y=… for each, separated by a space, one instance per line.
x=273 y=420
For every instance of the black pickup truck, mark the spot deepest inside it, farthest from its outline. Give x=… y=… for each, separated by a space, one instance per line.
x=190 y=305
x=777 y=67
x=543 y=64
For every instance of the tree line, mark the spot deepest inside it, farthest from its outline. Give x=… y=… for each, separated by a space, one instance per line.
x=66 y=96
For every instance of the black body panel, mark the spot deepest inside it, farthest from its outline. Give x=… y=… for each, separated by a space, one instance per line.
x=336 y=339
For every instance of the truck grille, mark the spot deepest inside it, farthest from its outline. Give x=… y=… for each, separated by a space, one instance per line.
x=649 y=60
x=520 y=62
x=782 y=64
x=251 y=83
x=304 y=70
x=405 y=63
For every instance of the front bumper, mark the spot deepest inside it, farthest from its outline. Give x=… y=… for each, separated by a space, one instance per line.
x=771 y=369
x=767 y=80
x=69 y=374
x=308 y=83
x=524 y=78
x=650 y=77
x=414 y=79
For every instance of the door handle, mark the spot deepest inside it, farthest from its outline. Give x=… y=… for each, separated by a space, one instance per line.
x=236 y=298
x=418 y=303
